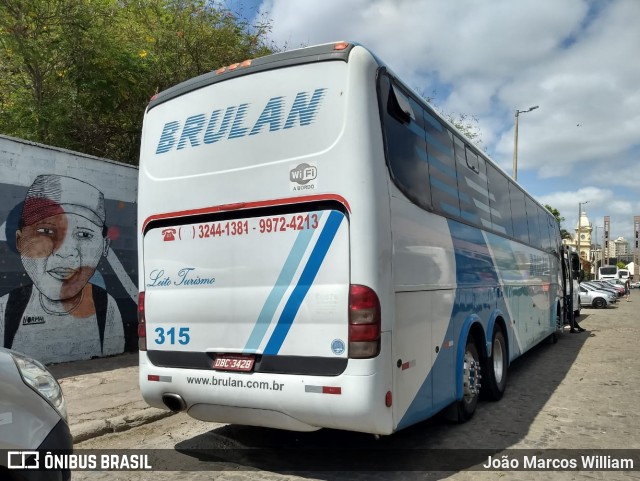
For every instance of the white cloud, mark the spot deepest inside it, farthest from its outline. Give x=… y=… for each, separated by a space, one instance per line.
x=576 y=59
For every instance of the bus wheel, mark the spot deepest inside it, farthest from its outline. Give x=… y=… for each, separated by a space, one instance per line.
x=495 y=378
x=463 y=410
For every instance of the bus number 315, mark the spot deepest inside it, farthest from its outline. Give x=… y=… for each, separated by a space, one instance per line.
x=169 y=335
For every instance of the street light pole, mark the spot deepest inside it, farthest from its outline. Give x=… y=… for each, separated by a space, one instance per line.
x=592 y=250
x=515 y=140
x=602 y=261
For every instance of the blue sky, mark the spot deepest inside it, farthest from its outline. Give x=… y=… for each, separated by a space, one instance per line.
x=576 y=59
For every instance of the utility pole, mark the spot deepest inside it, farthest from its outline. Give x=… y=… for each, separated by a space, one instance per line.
x=515 y=141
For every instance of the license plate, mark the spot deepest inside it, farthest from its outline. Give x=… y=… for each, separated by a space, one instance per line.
x=233 y=363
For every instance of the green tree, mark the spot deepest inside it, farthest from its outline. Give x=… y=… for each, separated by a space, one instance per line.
x=468 y=125
x=555 y=212
x=79 y=74
x=564 y=234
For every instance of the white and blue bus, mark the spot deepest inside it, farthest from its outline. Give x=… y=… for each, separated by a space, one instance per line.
x=319 y=248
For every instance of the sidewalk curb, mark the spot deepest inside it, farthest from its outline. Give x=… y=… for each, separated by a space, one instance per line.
x=93 y=429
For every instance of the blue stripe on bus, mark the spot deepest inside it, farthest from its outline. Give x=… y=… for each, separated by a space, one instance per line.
x=445 y=169
x=446 y=149
x=304 y=283
x=493 y=279
x=282 y=284
x=437 y=183
x=432 y=120
x=475 y=273
x=469 y=216
x=449 y=209
x=422 y=153
x=464 y=198
x=417 y=129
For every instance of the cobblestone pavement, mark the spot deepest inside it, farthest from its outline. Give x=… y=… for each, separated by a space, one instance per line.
x=580 y=393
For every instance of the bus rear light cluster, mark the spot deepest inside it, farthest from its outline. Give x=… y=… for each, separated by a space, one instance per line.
x=364 y=322
x=142 y=325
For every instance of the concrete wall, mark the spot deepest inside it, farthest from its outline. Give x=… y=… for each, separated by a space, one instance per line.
x=68 y=260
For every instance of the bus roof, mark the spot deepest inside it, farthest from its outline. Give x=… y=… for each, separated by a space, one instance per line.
x=318 y=53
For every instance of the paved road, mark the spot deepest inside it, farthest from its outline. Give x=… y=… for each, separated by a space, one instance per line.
x=581 y=393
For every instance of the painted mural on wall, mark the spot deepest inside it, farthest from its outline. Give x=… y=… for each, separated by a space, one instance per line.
x=65 y=294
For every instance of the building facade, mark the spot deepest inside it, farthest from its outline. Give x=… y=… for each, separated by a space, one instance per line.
x=581 y=240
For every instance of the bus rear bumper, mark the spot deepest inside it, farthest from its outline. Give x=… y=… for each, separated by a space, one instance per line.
x=249 y=416
x=354 y=402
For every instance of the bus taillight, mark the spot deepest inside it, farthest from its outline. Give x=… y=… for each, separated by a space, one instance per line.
x=142 y=325
x=364 y=322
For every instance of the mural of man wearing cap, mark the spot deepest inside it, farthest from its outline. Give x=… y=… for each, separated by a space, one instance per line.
x=61 y=238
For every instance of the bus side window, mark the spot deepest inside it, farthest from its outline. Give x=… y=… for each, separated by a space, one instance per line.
x=499 y=201
x=403 y=130
x=399 y=106
x=472 y=160
x=443 y=177
x=533 y=223
x=551 y=223
x=519 y=211
x=472 y=184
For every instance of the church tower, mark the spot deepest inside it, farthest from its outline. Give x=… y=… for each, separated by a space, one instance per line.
x=583 y=233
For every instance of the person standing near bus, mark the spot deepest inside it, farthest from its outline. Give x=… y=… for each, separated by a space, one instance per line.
x=627 y=289
x=575 y=327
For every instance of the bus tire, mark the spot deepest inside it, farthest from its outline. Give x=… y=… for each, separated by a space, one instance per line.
x=494 y=380
x=463 y=410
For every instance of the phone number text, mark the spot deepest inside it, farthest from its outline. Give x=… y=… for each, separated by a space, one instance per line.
x=263 y=225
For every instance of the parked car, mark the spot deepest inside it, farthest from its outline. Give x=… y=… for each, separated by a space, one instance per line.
x=33 y=417
x=603 y=286
x=613 y=295
x=635 y=284
x=616 y=284
x=595 y=298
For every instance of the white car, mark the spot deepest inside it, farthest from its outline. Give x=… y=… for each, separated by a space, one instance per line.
x=595 y=298
x=33 y=417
